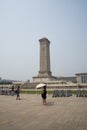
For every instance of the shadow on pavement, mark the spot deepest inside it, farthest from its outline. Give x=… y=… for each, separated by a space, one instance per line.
x=49 y=103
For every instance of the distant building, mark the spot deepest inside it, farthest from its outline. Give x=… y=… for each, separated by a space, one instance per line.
x=81 y=78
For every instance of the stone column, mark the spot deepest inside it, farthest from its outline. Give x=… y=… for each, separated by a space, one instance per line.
x=44 y=58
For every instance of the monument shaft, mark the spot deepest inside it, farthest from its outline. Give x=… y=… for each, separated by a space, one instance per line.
x=44 y=57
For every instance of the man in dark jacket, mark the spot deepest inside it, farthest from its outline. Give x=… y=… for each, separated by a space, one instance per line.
x=18 y=93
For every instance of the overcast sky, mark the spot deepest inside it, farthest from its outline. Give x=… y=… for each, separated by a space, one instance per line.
x=24 y=22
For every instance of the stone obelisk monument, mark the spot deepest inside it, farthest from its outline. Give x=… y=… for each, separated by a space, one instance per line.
x=44 y=58
x=44 y=72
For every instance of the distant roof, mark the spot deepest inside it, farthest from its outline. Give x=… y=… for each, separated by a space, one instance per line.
x=81 y=73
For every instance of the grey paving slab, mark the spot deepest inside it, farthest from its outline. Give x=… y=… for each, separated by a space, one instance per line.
x=63 y=113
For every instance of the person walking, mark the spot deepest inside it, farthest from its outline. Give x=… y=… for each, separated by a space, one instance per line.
x=44 y=95
x=18 y=93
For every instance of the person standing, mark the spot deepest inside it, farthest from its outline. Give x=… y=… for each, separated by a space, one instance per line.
x=44 y=95
x=12 y=90
x=18 y=93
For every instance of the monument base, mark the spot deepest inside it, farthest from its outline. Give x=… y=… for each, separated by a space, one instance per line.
x=39 y=79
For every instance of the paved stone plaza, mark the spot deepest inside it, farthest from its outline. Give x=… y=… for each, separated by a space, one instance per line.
x=63 y=113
